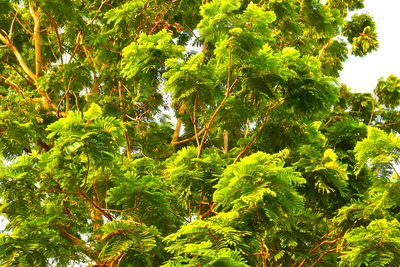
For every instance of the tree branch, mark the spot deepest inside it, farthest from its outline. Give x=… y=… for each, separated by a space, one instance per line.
x=12 y=84
x=253 y=139
x=105 y=213
x=79 y=38
x=317 y=247
x=178 y=125
x=322 y=51
x=29 y=31
x=54 y=25
x=36 y=37
x=66 y=96
x=126 y=135
x=391 y=123
x=6 y=40
x=20 y=74
x=229 y=87
x=189 y=139
x=226 y=141
x=372 y=113
x=78 y=242
x=211 y=209
x=207 y=128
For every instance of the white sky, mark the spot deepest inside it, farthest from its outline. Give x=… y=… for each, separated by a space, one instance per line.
x=361 y=74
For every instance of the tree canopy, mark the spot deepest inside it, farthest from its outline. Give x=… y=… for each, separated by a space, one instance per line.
x=194 y=133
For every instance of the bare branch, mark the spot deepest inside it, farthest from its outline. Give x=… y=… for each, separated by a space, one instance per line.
x=126 y=135
x=7 y=41
x=207 y=128
x=189 y=139
x=78 y=242
x=105 y=213
x=25 y=27
x=264 y=123
x=98 y=10
x=178 y=125
x=36 y=37
x=229 y=87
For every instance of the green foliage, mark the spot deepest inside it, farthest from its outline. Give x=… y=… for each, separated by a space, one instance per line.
x=321 y=164
x=260 y=181
x=346 y=4
x=377 y=244
x=190 y=79
x=141 y=193
x=388 y=91
x=207 y=242
x=123 y=144
x=143 y=59
x=129 y=237
x=189 y=176
x=88 y=134
x=380 y=151
x=360 y=32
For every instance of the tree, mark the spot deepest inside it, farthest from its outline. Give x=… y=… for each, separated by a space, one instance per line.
x=270 y=162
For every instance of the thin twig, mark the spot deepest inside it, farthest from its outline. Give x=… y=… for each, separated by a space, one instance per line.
x=77 y=44
x=201 y=201
x=194 y=121
x=20 y=74
x=317 y=247
x=20 y=23
x=126 y=135
x=391 y=123
x=189 y=139
x=98 y=10
x=62 y=192
x=65 y=96
x=53 y=24
x=10 y=32
x=372 y=112
x=253 y=139
x=105 y=213
x=211 y=209
x=207 y=128
x=7 y=41
x=322 y=52
x=88 y=251
x=229 y=87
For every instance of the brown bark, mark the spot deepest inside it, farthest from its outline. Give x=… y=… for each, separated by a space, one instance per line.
x=7 y=42
x=326 y=45
x=105 y=213
x=78 y=242
x=194 y=121
x=372 y=112
x=317 y=247
x=208 y=126
x=251 y=142
x=126 y=135
x=189 y=139
x=36 y=37
x=391 y=123
x=226 y=142
x=201 y=201
x=178 y=125
x=210 y=210
x=95 y=87
x=96 y=218
x=229 y=87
